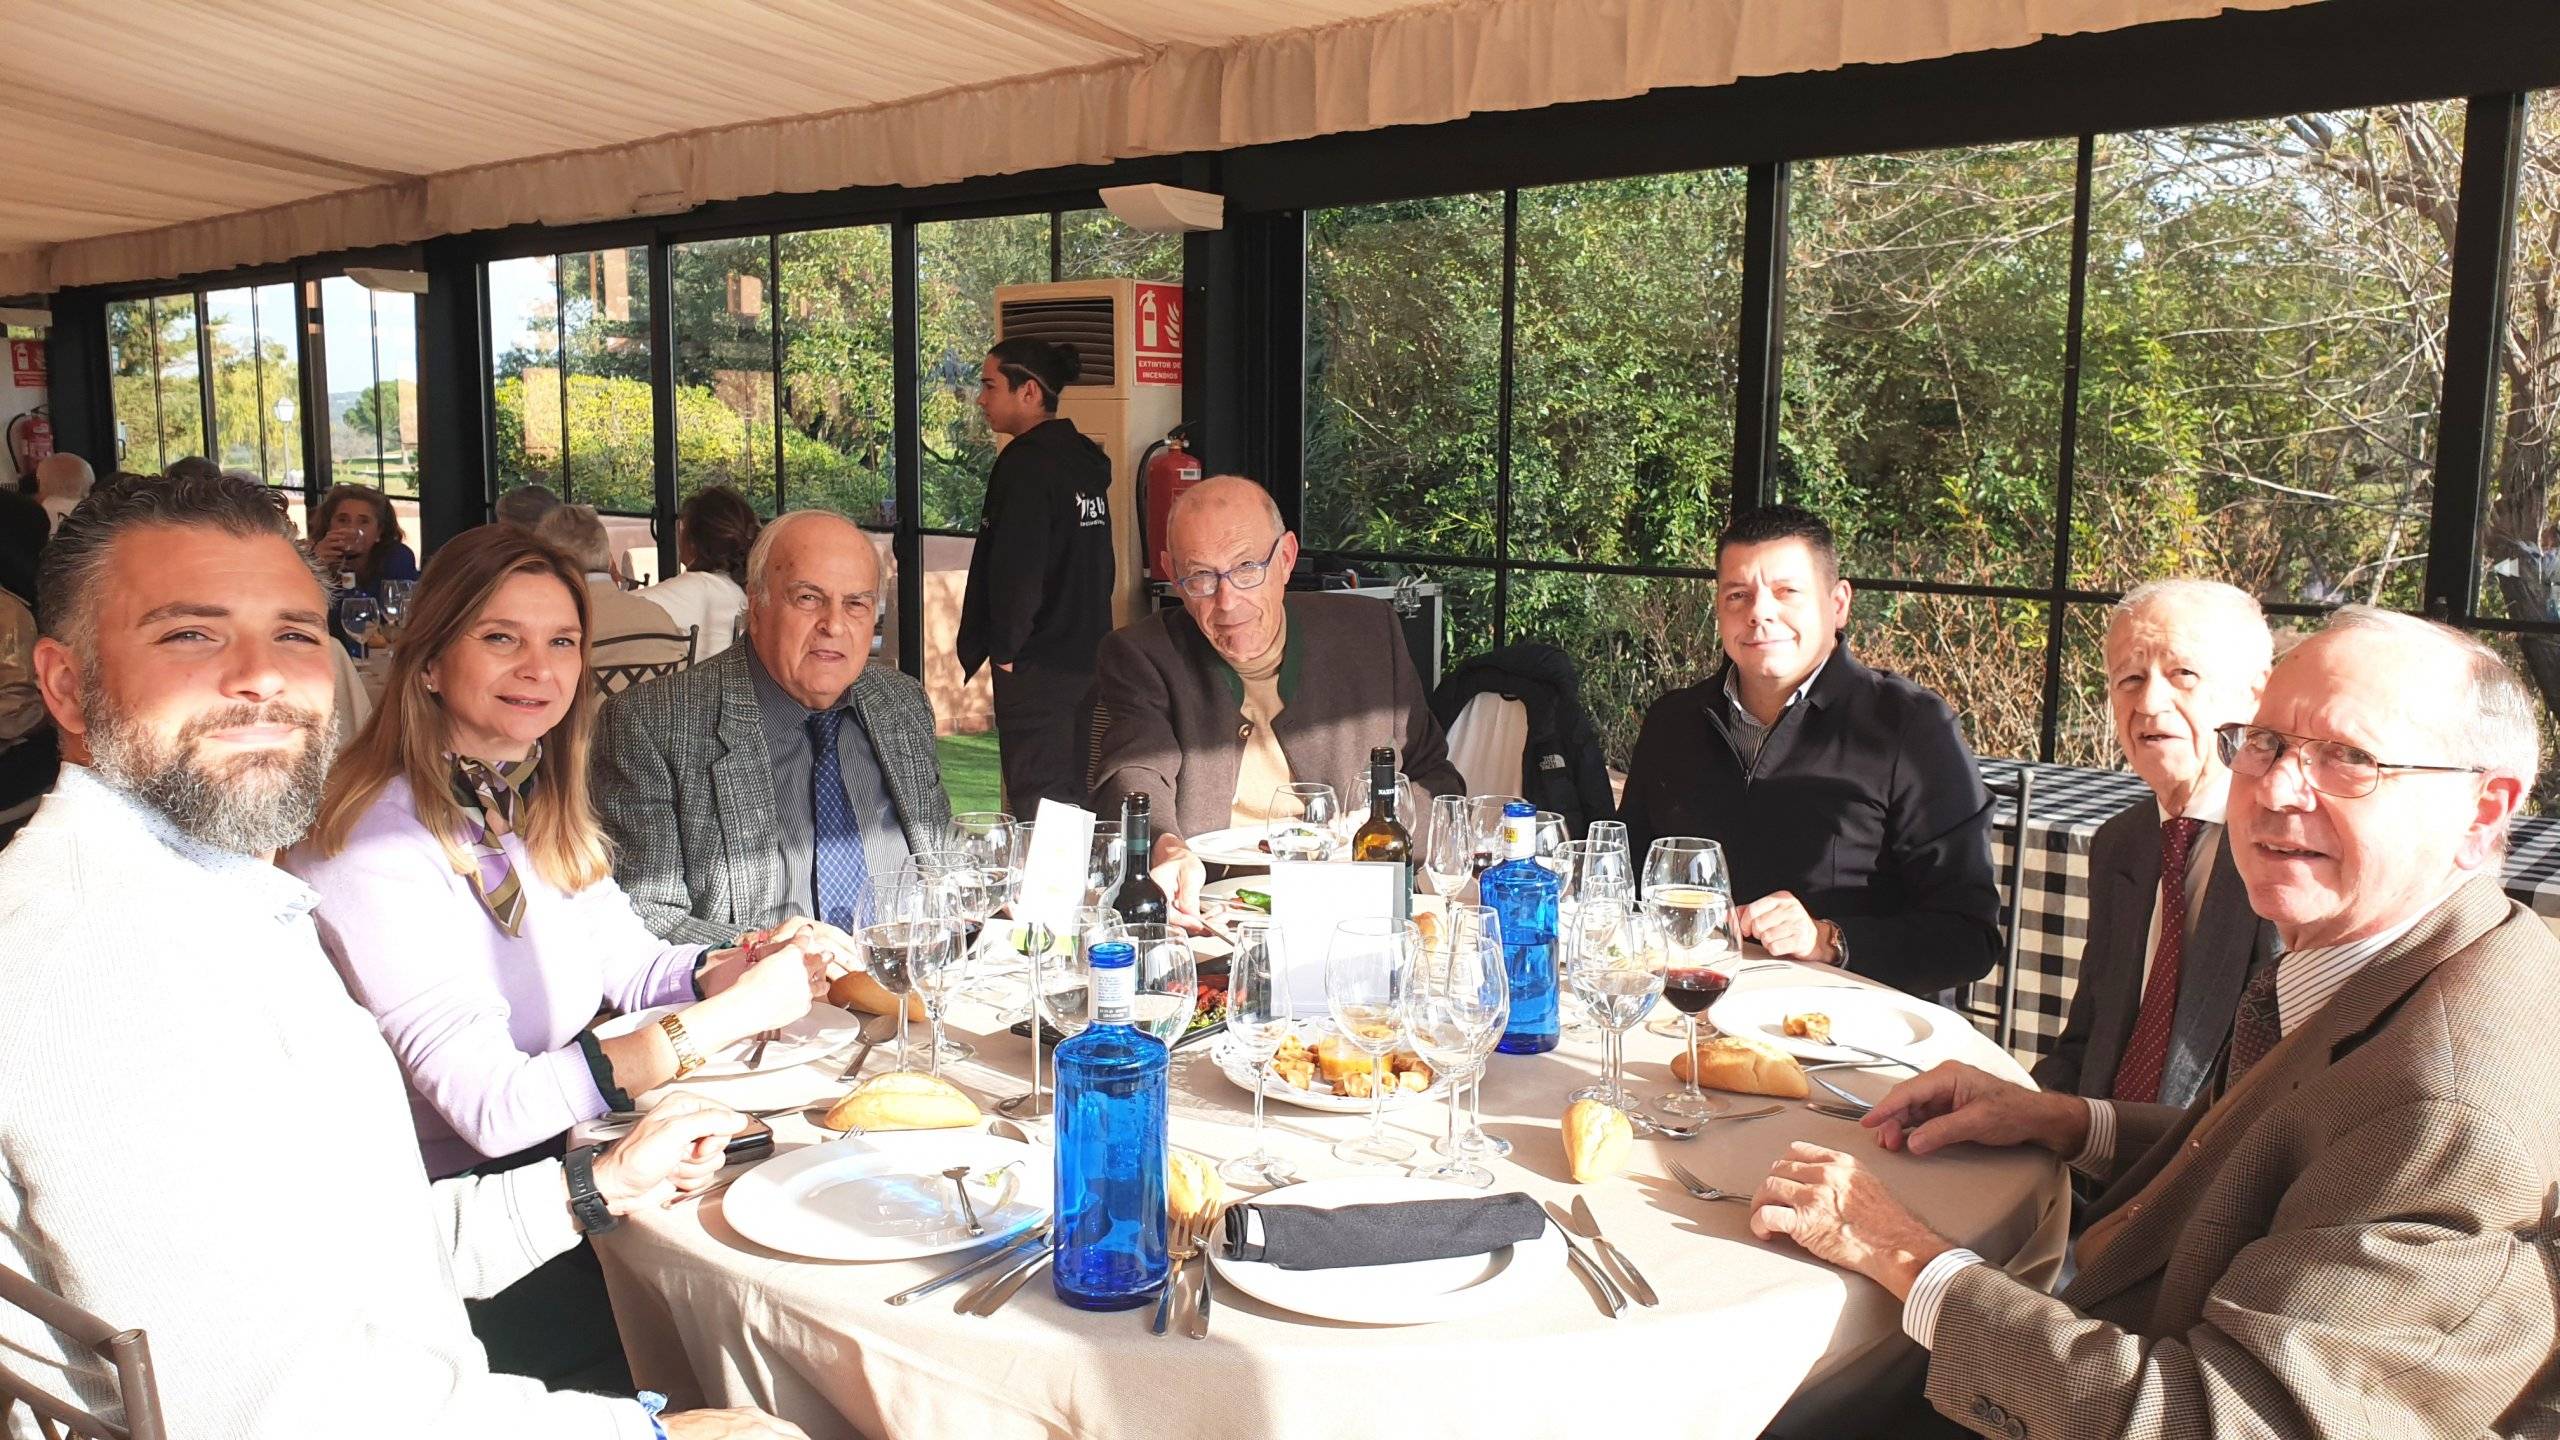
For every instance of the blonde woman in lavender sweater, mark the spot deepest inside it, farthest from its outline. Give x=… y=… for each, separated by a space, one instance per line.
x=462 y=869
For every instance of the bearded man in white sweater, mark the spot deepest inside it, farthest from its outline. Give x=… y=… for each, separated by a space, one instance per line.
x=204 y=1137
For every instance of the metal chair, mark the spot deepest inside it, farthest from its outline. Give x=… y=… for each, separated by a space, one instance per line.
x=127 y=1350
x=2003 y=1012
x=612 y=677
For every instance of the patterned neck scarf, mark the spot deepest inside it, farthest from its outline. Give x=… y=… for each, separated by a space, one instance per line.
x=490 y=797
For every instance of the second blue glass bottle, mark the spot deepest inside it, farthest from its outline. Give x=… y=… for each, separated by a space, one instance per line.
x=1109 y=1225
x=1522 y=894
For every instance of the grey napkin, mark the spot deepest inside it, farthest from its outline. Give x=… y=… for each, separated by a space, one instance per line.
x=1297 y=1237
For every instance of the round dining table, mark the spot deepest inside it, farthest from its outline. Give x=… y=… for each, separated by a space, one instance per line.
x=1745 y=1328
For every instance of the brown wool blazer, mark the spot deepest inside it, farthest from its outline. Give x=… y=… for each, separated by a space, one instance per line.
x=1347 y=684
x=2355 y=1241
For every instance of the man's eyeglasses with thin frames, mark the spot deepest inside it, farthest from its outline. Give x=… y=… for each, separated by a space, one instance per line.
x=2333 y=767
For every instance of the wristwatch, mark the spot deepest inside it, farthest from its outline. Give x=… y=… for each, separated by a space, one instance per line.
x=1828 y=931
x=688 y=1059
x=585 y=1200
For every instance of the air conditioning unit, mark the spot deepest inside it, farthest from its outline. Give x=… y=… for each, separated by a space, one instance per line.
x=1128 y=333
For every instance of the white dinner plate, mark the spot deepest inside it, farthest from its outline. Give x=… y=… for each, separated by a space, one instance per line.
x=1879 y=1019
x=1229 y=1055
x=1226 y=889
x=823 y=1029
x=883 y=1197
x=1235 y=845
x=1415 y=1294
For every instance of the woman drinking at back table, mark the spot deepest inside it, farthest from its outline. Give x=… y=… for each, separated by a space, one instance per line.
x=357 y=532
x=463 y=873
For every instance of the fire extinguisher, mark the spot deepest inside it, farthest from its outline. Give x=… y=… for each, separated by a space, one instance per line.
x=30 y=440
x=1166 y=470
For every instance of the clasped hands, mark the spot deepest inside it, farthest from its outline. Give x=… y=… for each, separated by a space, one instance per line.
x=1837 y=1209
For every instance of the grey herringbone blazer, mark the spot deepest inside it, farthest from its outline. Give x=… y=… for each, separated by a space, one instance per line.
x=685 y=788
x=2355 y=1241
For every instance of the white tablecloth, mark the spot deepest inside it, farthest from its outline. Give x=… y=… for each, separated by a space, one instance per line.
x=712 y=1318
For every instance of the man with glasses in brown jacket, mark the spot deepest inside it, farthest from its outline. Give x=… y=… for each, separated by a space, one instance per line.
x=2351 y=1232
x=1248 y=687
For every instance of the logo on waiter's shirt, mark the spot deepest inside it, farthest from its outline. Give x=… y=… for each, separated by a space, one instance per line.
x=1092 y=510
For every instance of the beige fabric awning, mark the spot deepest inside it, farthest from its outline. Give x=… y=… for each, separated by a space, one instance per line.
x=151 y=138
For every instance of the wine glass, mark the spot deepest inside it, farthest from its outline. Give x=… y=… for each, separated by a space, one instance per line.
x=1258 y=1018
x=993 y=842
x=1587 y=870
x=1454 y=1014
x=1168 y=980
x=1484 y=822
x=940 y=885
x=1474 y=930
x=1615 y=956
x=1107 y=864
x=1612 y=833
x=1703 y=944
x=397 y=601
x=1303 y=818
x=1673 y=862
x=1366 y=970
x=896 y=952
x=358 y=613
x=1552 y=836
x=1448 y=855
x=1065 y=987
x=936 y=965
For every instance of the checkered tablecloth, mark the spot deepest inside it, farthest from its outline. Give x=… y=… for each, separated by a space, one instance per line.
x=2064 y=812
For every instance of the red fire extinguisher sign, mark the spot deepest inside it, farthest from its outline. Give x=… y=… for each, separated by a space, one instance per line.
x=1159 y=338
x=26 y=357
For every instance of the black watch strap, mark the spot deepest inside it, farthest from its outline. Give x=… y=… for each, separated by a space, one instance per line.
x=585 y=1201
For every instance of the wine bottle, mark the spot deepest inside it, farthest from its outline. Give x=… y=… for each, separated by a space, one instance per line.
x=1383 y=837
x=1108 y=1230
x=1140 y=900
x=1522 y=894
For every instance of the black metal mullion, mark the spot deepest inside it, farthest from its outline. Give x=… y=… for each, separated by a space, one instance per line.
x=1504 y=397
x=773 y=331
x=906 y=368
x=1761 y=348
x=373 y=344
x=311 y=329
x=1057 y=247
x=2066 y=469
x=2475 y=321
x=204 y=380
x=662 y=401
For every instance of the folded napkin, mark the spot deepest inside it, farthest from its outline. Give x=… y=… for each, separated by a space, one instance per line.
x=1298 y=1237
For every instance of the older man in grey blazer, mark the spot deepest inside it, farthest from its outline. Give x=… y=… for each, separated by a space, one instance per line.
x=2352 y=1234
x=2172 y=940
x=783 y=777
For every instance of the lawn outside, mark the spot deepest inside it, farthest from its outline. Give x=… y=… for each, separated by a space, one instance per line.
x=970 y=775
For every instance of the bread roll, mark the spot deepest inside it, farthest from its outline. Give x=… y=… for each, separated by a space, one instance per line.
x=903 y=1100
x=1597 y=1139
x=859 y=992
x=1746 y=1065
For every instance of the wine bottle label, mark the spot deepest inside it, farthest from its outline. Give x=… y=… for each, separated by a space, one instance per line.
x=1115 y=994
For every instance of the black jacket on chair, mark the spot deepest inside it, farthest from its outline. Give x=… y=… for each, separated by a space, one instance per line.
x=2227 y=946
x=1864 y=802
x=1561 y=764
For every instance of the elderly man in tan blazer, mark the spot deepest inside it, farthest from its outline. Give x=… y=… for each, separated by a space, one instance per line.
x=2351 y=1233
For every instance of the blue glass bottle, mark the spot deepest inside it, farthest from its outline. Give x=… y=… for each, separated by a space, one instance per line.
x=1109 y=1232
x=1522 y=894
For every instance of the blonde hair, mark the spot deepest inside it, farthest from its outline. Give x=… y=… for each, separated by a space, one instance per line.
x=409 y=736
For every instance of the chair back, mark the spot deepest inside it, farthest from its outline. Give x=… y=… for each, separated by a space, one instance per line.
x=1486 y=742
x=126 y=1350
x=612 y=677
x=2002 y=1010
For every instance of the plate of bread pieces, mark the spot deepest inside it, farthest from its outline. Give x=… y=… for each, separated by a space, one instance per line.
x=1318 y=1069
x=825 y=1028
x=1804 y=1020
x=882 y=1193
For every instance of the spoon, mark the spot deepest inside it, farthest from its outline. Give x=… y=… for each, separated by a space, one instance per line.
x=958 y=1175
x=1690 y=1131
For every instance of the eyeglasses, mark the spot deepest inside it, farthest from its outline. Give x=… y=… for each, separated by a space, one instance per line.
x=1201 y=584
x=2332 y=766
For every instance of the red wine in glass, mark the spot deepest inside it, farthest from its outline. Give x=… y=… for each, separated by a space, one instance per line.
x=1691 y=991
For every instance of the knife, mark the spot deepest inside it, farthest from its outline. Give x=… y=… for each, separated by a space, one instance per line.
x=1876 y=1055
x=1847 y=1096
x=1200 y=1312
x=1837 y=1112
x=1007 y=1248
x=1006 y=1288
x=1611 y=1299
x=1636 y=1283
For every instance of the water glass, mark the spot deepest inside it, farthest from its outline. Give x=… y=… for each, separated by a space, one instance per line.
x=939 y=885
x=1552 y=837
x=1258 y=1019
x=1366 y=969
x=1484 y=822
x=936 y=970
x=1168 y=980
x=1107 y=864
x=896 y=952
x=358 y=614
x=1612 y=833
x=1614 y=958
x=1303 y=823
x=1448 y=851
x=398 y=600
x=1454 y=1014
x=1474 y=930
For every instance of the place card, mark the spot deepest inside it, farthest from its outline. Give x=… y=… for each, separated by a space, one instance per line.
x=1054 y=873
x=1309 y=898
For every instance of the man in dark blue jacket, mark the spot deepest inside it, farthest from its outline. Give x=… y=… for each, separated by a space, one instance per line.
x=1848 y=806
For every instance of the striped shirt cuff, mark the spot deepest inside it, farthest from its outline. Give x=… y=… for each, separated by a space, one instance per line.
x=1920 y=1310
x=2100 y=1149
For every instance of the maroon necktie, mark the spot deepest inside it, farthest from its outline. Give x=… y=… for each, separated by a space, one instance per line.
x=2258 y=1026
x=2147 y=1053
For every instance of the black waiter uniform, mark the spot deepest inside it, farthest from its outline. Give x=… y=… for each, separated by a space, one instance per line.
x=1862 y=801
x=1039 y=599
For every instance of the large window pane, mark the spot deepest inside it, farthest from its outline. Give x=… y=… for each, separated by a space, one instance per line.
x=1984 y=657
x=839 y=362
x=1094 y=244
x=1622 y=417
x=2520 y=544
x=139 y=333
x=373 y=385
x=524 y=370
x=279 y=385
x=724 y=367
x=1927 y=297
x=612 y=424
x=1634 y=638
x=2263 y=353
x=959 y=264
x=1404 y=333
x=256 y=382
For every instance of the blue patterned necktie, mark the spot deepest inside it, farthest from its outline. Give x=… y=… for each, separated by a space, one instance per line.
x=843 y=876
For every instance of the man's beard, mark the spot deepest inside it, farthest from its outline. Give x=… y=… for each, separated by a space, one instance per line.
x=252 y=804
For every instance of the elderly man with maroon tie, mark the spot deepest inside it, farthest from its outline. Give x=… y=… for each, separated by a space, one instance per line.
x=2172 y=942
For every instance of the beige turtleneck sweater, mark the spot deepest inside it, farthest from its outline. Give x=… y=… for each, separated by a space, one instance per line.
x=1264 y=768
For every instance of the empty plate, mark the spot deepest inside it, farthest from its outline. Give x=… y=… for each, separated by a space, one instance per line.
x=1416 y=1294
x=884 y=1197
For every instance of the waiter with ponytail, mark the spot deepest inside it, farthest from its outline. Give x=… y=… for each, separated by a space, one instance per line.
x=1040 y=580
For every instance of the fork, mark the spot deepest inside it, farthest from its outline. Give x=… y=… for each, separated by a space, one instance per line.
x=1701 y=1188
x=1186 y=1240
x=755 y=1057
